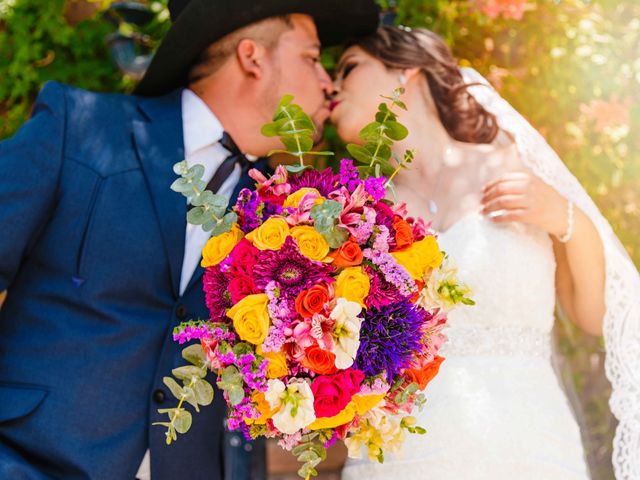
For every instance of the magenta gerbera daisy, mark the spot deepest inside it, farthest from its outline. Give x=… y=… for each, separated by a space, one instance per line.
x=292 y=271
x=216 y=291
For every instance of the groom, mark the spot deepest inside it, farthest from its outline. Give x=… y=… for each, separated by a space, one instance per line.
x=95 y=252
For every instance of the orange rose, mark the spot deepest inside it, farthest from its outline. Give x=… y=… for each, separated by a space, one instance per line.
x=404 y=234
x=422 y=376
x=312 y=300
x=348 y=255
x=319 y=360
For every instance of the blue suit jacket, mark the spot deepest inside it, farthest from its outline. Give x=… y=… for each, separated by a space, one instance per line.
x=91 y=248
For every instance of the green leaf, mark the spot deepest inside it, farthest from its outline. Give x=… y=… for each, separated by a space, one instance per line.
x=396 y=131
x=195 y=172
x=187 y=372
x=204 y=392
x=181 y=168
x=336 y=237
x=190 y=397
x=182 y=421
x=297 y=168
x=195 y=355
x=173 y=386
x=236 y=394
x=359 y=153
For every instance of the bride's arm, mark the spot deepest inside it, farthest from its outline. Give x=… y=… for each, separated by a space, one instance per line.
x=523 y=197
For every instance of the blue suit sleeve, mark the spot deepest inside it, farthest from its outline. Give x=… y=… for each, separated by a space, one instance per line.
x=30 y=163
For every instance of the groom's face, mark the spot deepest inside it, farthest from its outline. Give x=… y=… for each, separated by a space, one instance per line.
x=294 y=68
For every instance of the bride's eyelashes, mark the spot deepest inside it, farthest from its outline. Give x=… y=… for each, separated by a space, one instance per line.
x=347 y=69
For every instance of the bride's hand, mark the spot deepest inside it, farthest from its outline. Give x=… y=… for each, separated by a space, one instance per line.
x=523 y=197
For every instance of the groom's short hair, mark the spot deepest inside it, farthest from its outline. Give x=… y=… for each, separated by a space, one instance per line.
x=267 y=32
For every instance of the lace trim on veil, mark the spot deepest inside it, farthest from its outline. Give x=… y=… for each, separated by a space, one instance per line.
x=622 y=286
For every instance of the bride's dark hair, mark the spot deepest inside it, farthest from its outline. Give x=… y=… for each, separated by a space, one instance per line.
x=461 y=115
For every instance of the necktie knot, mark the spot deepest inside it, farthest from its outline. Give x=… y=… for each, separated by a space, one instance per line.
x=227 y=142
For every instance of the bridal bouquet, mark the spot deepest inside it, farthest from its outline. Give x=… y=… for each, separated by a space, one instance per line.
x=327 y=302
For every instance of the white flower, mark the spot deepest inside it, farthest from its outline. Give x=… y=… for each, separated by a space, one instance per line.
x=294 y=404
x=347 y=331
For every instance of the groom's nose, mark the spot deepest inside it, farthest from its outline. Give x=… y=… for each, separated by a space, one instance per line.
x=325 y=81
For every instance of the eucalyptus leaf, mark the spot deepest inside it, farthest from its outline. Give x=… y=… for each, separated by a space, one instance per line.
x=181 y=168
x=173 y=386
x=190 y=397
x=195 y=355
x=204 y=392
x=297 y=168
x=359 y=153
x=197 y=216
x=236 y=394
x=336 y=237
x=187 y=372
x=182 y=421
x=395 y=130
x=196 y=172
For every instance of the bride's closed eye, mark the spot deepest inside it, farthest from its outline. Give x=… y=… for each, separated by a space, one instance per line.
x=346 y=70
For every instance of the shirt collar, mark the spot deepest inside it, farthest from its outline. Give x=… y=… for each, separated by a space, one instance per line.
x=200 y=126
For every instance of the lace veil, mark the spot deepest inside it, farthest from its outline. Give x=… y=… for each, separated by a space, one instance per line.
x=622 y=286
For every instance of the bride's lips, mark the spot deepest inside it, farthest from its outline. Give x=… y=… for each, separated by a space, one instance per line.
x=334 y=104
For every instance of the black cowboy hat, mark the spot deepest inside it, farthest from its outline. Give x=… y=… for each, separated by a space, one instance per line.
x=199 y=23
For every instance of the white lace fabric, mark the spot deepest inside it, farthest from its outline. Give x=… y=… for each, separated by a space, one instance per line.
x=622 y=295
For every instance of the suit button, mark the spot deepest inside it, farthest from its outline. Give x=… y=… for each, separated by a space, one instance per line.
x=181 y=312
x=159 y=396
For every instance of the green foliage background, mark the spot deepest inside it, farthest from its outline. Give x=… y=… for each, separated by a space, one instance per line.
x=571 y=67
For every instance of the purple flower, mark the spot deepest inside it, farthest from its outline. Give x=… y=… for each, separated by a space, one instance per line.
x=292 y=271
x=393 y=272
x=374 y=186
x=389 y=338
x=248 y=208
x=325 y=181
x=349 y=176
x=381 y=292
x=216 y=291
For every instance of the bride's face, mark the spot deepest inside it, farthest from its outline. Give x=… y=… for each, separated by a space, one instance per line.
x=360 y=79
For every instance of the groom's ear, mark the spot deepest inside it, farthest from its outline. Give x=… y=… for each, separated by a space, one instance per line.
x=251 y=57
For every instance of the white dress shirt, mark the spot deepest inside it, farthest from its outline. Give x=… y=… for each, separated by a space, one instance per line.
x=202 y=132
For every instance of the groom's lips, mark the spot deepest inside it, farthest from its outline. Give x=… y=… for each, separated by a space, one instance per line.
x=334 y=104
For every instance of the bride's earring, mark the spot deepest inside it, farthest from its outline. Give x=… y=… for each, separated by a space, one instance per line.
x=403 y=79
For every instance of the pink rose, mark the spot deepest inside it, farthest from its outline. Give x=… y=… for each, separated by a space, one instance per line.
x=241 y=286
x=243 y=258
x=332 y=393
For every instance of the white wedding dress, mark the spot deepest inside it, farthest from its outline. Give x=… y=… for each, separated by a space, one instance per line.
x=496 y=409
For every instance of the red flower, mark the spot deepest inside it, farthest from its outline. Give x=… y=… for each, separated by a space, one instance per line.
x=332 y=393
x=423 y=375
x=312 y=300
x=243 y=258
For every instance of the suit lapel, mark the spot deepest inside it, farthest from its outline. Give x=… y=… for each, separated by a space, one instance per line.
x=245 y=181
x=159 y=141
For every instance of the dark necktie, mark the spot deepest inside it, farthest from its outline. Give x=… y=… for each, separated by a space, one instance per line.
x=226 y=168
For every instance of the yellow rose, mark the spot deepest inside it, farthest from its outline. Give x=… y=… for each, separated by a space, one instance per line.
x=277 y=366
x=251 y=318
x=420 y=257
x=345 y=416
x=294 y=199
x=353 y=284
x=364 y=403
x=270 y=235
x=218 y=247
x=310 y=242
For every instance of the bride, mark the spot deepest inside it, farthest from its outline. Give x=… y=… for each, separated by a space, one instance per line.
x=524 y=234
